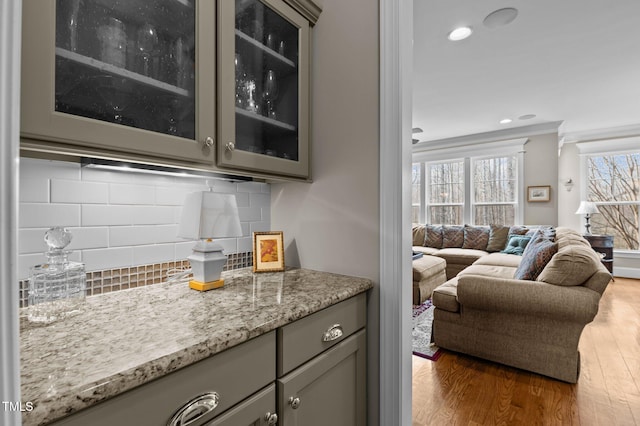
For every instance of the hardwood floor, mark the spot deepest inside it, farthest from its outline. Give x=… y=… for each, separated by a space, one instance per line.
x=462 y=390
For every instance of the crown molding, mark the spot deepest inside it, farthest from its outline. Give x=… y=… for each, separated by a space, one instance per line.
x=604 y=133
x=478 y=138
x=307 y=8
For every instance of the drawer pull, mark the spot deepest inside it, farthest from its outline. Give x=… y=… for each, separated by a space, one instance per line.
x=271 y=419
x=194 y=409
x=294 y=402
x=333 y=333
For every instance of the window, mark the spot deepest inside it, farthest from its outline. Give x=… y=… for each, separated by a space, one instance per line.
x=445 y=189
x=614 y=185
x=495 y=190
x=416 y=192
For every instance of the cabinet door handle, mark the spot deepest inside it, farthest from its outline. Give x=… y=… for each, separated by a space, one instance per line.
x=294 y=402
x=209 y=141
x=194 y=409
x=230 y=146
x=333 y=333
x=271 y=419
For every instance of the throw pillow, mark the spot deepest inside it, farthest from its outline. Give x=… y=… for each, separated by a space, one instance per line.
x=518 y=230
x=433 y=236
x=452 y=236
x=516 y=244
x=475 y=237
x=535 y=257
x=418 y=234
x=498 y=235
x=573 y=265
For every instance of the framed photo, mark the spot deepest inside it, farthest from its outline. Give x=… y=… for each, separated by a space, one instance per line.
x=538 y=193
x=268 y=251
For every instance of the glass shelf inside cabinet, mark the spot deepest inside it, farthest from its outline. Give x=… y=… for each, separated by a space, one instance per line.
x=131 y=63
x=266 y=70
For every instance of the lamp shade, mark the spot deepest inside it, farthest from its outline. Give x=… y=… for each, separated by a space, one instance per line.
x=209 y=215
x=587 y=207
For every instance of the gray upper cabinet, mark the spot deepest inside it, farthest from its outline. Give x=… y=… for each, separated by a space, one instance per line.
x=121 y=76
x=264 y=87
x=161 y=80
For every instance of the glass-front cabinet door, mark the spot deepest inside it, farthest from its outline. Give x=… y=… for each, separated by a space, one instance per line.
x=263 y=62
x=134 y=76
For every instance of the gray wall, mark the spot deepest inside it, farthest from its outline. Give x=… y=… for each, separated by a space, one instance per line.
x=541 y=169
x=332 y=224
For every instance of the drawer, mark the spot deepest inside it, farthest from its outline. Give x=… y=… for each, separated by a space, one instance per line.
x=234 y=374
x=302 y=340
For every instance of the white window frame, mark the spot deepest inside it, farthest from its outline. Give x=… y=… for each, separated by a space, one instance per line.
x=606 y=148
x=439 y=153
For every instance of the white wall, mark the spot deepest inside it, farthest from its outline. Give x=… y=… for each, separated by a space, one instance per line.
x=332 y=224
x=120 y=219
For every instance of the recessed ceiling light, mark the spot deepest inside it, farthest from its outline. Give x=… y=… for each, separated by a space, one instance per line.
x=416 y=130
x=505 y=121
x=460 y=33
x=527 y=117
x=500 y=17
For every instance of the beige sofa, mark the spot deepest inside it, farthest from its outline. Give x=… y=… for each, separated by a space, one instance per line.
x=534 y=325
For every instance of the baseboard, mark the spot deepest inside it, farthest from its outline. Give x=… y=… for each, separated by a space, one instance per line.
x=626 y=272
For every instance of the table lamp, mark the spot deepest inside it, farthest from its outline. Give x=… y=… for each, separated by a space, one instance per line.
x=207 y=215
x=587 y=208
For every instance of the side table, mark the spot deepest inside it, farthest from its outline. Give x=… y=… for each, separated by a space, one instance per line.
x=603 y=244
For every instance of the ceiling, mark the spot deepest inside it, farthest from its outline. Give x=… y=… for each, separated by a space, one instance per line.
x=573 y=61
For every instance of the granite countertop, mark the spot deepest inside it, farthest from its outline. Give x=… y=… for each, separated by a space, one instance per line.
x=126 y=338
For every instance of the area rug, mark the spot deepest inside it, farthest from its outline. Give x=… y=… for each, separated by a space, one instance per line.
x=422 y=320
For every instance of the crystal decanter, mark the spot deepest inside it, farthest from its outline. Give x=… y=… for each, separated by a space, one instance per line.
x=56 y=288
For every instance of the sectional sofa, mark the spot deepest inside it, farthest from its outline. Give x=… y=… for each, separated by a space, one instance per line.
x=525 y=305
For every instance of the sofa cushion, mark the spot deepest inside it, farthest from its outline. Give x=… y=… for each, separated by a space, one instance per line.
x=498 y=235
x=571 y=265
x=418 y=234
x=518 y=230
x=536 y=255
x=475 y=237
x=516 y=244
x=452 y=236
x=433 y=236
x=427 y=267
x=496 y=271
x=500 y=259
x=460 y=255
x=445 y=296
x=425 y=250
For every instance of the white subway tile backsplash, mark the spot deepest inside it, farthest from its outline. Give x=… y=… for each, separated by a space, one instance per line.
x=31 y=240
x=39 y=215
x=98 y=215
x=89 y=238
x=48 y=169
x=131 y=194
x=34 y=190
x=153 y=254
x=153 y=215
x=70 y=191
x=245 y=244
x=121 y=219
x=26 y=261
x=259 y=200
x=249 y=214
x=98 y=259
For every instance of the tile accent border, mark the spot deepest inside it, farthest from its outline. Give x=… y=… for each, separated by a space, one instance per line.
x=108 y=280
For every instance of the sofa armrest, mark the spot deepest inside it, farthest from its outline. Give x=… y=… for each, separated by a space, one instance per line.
x=577 y=304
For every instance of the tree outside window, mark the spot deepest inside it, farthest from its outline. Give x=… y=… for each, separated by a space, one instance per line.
x=495 y=190
x=445 y=192
x=614 y=185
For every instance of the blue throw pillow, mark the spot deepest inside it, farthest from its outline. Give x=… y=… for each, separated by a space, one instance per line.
x=516 y=244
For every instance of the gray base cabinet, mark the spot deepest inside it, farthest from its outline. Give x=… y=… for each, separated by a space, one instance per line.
x=329 y=389
x=309 y=372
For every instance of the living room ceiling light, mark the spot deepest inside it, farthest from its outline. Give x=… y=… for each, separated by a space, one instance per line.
x=460 y=33
x=505 y=121
x=500 y=17
x=527 y=117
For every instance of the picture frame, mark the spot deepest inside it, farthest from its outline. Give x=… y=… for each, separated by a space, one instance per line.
x=537 y=194
x=268 y=251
